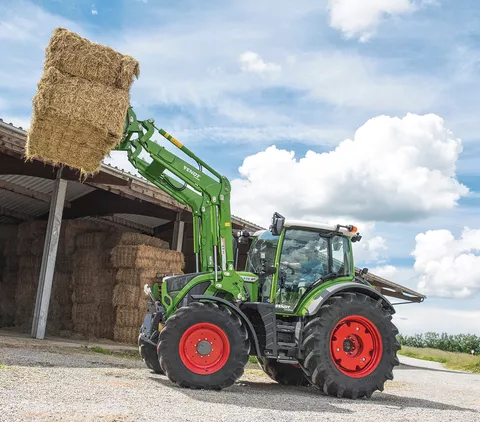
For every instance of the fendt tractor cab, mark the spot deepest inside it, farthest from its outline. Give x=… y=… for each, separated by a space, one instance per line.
x=298 y=306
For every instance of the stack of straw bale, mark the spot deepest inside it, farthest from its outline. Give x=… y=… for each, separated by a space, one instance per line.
x=30 y=242
x=139 y=260
x=29 y=252
x=81 y=103
x=93 y=284
x=8 y=274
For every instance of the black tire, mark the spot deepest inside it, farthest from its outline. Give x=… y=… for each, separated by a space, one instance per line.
x=229 y=325
x=283 y=373
x=319 y=364
x=148 y=353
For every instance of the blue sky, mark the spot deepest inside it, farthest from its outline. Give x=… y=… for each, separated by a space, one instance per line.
x=233 y=79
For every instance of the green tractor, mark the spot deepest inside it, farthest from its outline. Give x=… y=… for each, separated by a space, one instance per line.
x=298 y=307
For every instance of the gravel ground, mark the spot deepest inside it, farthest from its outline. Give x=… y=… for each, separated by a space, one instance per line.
x=72 y=384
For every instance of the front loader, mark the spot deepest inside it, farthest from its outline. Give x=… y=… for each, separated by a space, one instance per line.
x=298 y=306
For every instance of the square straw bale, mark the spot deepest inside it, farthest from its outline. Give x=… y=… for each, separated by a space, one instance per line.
x=75 y=122
x=80 y=106
x=136 y=239
x=145 y=257
x=134 y=277
x=76 y=56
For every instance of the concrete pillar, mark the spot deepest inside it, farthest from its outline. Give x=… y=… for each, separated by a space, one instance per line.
x=178 y=234
x=49 y=257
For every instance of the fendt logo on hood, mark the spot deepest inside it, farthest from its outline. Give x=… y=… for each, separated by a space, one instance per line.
x=193 y=173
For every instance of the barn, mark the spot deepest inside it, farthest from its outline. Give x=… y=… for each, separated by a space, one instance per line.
x=99 y=240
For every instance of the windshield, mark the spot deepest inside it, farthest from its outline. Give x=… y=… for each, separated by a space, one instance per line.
x=306 y=257
x=263 y=247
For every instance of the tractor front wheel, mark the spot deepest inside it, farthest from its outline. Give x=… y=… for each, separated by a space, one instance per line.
x=283 y=373
x=205 y=346
x=148 y=353
x=350 y=346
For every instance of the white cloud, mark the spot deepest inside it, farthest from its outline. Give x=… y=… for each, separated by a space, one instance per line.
x=448 y=267
x=252 y=62
x=385 y=271
x=361 y=18
x=260 y=135
x=94 y=10
x=420 y=318
x=393 y=170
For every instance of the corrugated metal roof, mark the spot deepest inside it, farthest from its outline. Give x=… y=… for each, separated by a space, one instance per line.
x=34 y=207
x=4 y=221
x=22 y=204
x=72 y=193
x=143 y=219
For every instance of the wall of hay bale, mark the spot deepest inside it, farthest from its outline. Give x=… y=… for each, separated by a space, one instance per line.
x=98 y=284
x=8 y=274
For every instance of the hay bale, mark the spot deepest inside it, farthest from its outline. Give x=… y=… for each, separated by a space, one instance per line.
x=99 y=294
x=105 y=322
x=31 y=238
x=146 y=257
x=81 y=102
x=9 y=279
x=75 y=227
x=78 y=100
x=8 y=232
x=92 y=240
x=11 y=261
x=84 y=312
x=136 y=239
x=94 y=277
x=31 y=229
x=133 y=277
x=75 y=122
x=64 y=263
x=30 y=262
x=7 y=299
x=77 y=56
x=91 y=259
x=127 y=335
x=126 y=295
x=129 y=316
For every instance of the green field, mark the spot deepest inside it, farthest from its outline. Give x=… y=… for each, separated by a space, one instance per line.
x=450 y=360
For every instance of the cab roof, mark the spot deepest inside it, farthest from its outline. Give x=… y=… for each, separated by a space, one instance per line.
x=314 y=225
x=319 y=226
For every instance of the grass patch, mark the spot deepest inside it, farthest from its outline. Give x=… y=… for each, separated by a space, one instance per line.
x=98 y=349
x=252 y=359
x=2 y=366
x=456 y=361
x=126 y=354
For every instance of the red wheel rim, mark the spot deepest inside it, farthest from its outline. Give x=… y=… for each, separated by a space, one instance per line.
x=356 y=346
x=204 y=348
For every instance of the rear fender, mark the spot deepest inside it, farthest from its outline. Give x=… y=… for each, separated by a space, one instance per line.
x=349 y=287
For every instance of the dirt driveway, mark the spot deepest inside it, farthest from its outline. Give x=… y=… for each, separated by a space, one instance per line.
x=51 y=383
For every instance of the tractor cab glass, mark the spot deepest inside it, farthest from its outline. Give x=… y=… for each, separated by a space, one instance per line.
x=261 y=258
x=306 y=258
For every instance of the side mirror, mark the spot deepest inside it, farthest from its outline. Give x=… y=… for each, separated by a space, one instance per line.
x=270 y=270
x=277 y=224
x=364 y=271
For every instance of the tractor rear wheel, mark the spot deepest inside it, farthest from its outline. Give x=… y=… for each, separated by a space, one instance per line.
x=350 y=346
x=148 y=353
x=205 y=346
x=283 y=373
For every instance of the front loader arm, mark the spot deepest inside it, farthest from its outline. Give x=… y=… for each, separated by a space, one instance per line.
x=207 y=196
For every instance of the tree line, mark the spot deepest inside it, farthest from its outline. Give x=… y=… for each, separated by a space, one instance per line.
x=461 y=343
